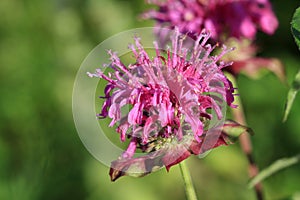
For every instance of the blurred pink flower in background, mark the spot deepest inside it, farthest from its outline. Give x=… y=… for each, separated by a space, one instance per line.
x=231 y=22
x=230 y=18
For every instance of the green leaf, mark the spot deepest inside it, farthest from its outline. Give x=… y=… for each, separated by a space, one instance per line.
x=296 y=27
x=295 y=196
x=291 y=95
x=273 y=168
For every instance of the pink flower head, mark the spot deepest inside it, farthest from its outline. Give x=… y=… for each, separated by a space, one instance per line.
x=171 y=99
x=233 y=18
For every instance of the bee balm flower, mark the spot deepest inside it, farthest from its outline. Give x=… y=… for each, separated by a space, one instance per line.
x=170 y=99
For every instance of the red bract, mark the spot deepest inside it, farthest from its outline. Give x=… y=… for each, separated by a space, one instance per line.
x=170 y=100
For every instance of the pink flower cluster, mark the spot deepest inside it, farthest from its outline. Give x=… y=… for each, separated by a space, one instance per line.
x=170 y=99
x=234 y=18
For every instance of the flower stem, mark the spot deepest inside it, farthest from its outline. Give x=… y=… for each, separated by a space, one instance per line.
x=245 y=142
x=188 y=184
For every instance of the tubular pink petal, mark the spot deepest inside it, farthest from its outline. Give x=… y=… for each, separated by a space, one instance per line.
x=135 y=114
x=131 y=149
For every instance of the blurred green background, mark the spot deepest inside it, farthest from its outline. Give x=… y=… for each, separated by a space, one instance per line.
x=42 y=44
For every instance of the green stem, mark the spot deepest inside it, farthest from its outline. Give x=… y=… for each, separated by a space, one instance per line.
x=188 y=184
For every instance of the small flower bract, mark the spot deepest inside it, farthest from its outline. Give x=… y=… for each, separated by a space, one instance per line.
x=171 y=100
